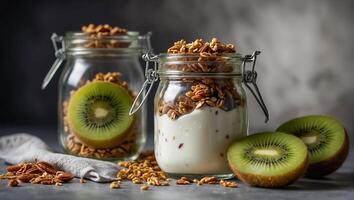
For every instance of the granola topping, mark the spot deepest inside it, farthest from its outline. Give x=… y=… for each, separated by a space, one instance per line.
x=98 y=34
x=212 y=92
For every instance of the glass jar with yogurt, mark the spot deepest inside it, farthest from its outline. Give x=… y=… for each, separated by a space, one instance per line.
x=200 y=108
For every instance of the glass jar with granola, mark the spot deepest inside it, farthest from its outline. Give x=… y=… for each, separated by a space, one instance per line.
x=101 y=76
x=200 y=106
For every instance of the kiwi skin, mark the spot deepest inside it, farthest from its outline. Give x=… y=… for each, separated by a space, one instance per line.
x=320 y=169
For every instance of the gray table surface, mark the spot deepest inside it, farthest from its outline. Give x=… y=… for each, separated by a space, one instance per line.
x=339 y=185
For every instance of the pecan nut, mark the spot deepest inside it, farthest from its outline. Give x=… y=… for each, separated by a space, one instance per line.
x=12 y=183
x=64 y=176
x=13 y=168
x=25 y=178
x=46 y=167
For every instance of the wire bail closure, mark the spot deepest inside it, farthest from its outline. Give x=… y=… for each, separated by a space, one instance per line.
x=250 y=77
x=59 y=54
x=151 y=77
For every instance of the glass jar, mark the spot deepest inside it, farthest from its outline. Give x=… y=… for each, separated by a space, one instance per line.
x=200 y=108
x=97 y=86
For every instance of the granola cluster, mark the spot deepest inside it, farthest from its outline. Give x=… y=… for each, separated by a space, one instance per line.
x=39 y=172
x=97 y=34
x=202 y=91
x=75 y=146
x=202 y=47
x=144 y=170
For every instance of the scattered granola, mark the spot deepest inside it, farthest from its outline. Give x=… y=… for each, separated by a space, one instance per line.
x=115 y=185
x=208 y=180
x=184 y=181
x=82 y=180
x=58 y=184
x=75 y=146
x=39 y=172
x=144 y=170
x=228 y=183
x=144 y=187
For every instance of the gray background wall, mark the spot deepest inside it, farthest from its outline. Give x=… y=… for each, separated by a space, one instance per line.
x=306 y=65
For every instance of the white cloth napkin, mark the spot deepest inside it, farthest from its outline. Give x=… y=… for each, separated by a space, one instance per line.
x=23 y=147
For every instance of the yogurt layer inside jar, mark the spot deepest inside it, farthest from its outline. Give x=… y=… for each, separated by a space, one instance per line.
x=196 y=143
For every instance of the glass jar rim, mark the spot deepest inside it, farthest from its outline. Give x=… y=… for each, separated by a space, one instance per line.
x=132 y=42
x=191 y=55
x=167 y=59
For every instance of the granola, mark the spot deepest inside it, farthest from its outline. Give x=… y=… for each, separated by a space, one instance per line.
x=144 y=170
x=115 y=185
x=213 y=92
x=100 y=36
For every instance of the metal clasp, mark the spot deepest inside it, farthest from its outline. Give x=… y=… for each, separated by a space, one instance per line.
x=250 y=76
x=151 y=77
x=59 y=54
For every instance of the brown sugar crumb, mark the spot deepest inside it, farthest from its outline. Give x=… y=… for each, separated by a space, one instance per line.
x=144 y=170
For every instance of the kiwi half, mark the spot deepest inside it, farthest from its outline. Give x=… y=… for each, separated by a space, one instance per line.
x=98 y=114
x=269 y=159
x=326 y=139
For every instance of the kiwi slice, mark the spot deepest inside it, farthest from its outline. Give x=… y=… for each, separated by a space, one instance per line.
x=326 y=140
x=268 y=159
x=98 y=114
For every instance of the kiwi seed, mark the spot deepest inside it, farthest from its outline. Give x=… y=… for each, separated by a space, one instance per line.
x=326 y=139
x=268 y=159
x=98 y=114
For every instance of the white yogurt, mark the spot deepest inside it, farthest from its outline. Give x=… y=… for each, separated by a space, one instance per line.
x=196 y=143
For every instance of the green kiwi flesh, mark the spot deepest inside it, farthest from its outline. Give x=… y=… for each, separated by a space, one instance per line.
x=326 y=139
x=98 y=114
x=268 y=159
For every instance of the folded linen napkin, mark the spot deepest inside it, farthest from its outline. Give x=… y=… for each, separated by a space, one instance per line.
x=23 y=147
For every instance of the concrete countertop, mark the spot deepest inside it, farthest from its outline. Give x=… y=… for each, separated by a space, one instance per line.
x=339 y=185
